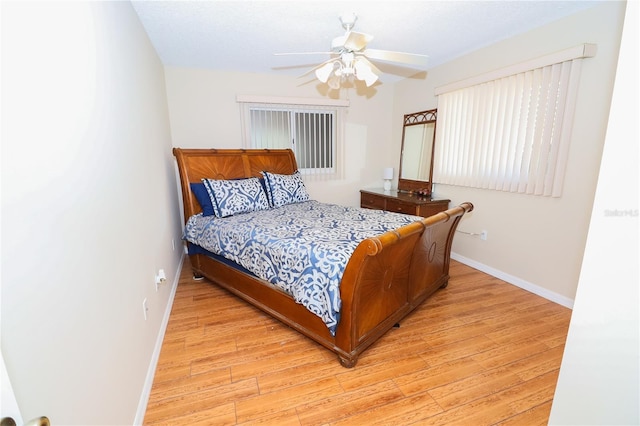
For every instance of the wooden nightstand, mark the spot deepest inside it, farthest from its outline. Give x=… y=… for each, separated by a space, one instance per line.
x=401 y=202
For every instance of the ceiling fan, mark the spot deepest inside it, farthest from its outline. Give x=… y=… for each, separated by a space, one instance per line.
x=350 y=57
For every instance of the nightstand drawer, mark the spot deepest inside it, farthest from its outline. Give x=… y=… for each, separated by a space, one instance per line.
x=426 y=210
x=400 y=207
x=401 y=202
x=372 y=202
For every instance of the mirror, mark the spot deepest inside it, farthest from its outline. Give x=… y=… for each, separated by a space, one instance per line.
x=416 y=156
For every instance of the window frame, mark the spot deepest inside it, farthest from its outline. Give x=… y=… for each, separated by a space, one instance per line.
x=294 y=106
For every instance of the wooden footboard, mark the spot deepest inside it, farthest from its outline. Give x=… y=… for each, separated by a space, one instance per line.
x=390 y=275
x=386 y=278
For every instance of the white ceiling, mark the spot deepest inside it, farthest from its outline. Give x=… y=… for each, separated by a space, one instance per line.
x=243 y=35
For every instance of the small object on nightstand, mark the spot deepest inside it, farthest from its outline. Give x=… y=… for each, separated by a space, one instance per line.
x=424 y=192
x=387 y=175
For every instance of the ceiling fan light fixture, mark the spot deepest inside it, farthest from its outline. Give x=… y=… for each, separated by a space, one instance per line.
x=351 y=59
x=334 y=82
x=370 y=79
x=324 y=72
x=365 y=73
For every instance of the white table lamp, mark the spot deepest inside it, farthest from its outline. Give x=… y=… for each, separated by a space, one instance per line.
x=387 y=175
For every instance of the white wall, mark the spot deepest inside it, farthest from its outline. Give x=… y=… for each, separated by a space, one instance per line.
x=535 y=242
x=599 y=380
x=204 y=114
x=89 y=209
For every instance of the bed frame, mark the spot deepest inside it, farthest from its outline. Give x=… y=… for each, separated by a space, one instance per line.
x=386 y=278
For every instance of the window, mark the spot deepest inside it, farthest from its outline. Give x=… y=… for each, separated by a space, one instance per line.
x=510 y=130
x=311 y=134
x=311 y=131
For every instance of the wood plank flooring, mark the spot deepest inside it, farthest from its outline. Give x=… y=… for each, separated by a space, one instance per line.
x=480 y=352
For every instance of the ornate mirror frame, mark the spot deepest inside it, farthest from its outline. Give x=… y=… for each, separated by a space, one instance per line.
x=408 y=180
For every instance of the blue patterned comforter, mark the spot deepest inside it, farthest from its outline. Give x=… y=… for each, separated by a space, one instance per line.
x=302 y=248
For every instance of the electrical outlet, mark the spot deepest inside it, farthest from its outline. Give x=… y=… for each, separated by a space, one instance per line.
x=161 y=277
x=483 y=235
x=145 y=308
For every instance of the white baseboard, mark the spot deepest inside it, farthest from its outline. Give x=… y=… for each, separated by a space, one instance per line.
x=518 y=282
x=146 y=390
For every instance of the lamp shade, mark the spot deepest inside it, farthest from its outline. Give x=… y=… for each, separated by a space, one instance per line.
x=364 y=72
x=387 y=173
x=324 y=71
x=370 y=78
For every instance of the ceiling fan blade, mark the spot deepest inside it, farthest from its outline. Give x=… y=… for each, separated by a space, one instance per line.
x=317 y=67
x=387 y=55
x=357 y=41
x=304 y=53
x=370 y=64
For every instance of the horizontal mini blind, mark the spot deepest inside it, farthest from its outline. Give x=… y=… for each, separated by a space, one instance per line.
x=510 y=133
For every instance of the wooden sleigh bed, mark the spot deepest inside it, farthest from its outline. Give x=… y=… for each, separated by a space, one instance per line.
x=385 y=278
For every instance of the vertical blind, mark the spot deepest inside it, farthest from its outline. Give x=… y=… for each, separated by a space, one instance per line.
x=311 y=131
x=510 y=133
x=314 y=140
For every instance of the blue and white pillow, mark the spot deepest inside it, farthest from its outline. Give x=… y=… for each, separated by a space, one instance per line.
x=285 y=189
x=230 y=197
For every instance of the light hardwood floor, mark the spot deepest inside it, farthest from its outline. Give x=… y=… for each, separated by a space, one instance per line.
x=480 y=352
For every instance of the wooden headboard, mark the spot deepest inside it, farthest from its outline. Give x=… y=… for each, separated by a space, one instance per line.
x=197 y=164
